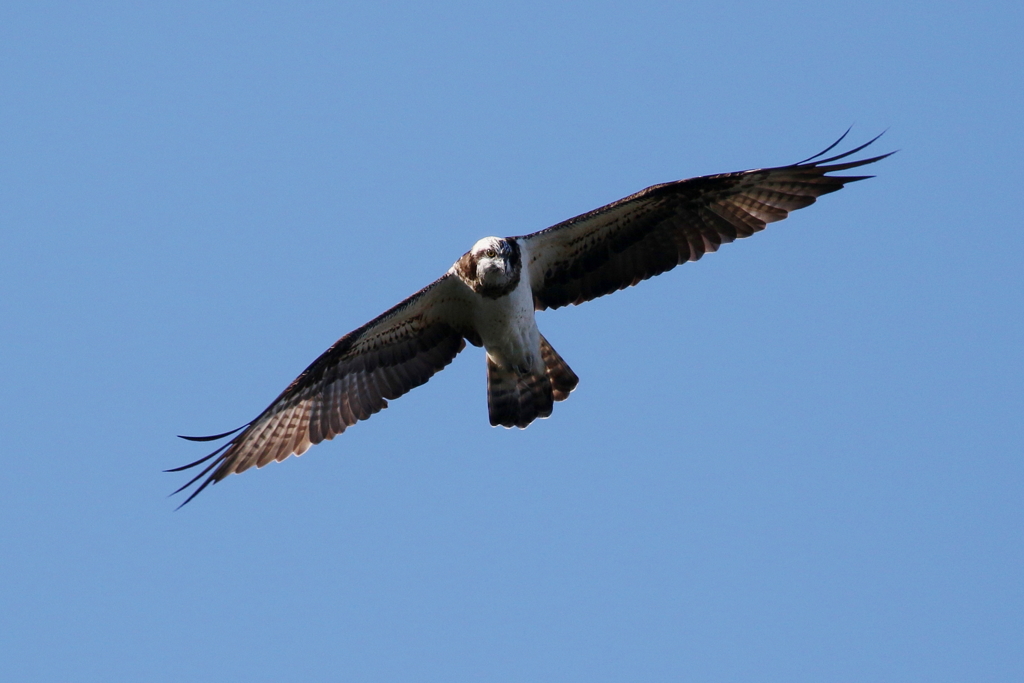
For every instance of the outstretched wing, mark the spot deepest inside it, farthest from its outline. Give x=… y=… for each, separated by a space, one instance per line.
x=654 y=230
x=351 y=381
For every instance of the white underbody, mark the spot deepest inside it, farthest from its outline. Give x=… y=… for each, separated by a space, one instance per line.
x=509 y=331
x=507 y=326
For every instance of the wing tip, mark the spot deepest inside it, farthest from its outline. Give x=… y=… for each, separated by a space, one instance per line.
x=219 y=458
x=829 y=148
x=816 y=162
x=213 y=437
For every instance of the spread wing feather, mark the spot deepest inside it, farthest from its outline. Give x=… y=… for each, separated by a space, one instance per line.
x=397 y=351
x=654 y=230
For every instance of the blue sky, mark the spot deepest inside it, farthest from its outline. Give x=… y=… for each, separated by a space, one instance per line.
x=799 y=459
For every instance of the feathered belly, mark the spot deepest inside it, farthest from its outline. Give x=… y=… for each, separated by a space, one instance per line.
x=509 y=331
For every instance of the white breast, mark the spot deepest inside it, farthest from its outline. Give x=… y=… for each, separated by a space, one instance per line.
x=508 y=328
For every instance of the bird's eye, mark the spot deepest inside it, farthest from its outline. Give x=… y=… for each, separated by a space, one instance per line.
x=490 y=253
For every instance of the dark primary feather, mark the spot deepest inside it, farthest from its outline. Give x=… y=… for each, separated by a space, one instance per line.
x=656 y=229
x=397 y=351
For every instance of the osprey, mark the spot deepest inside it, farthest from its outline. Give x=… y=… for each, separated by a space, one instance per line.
x=489 y=296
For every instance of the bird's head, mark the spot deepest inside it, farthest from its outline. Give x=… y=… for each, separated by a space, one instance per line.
x=492 y=267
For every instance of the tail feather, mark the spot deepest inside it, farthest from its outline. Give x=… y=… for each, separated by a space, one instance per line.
x=563 y=379
x=516 y=400
x=535 y=399
x=502 y=395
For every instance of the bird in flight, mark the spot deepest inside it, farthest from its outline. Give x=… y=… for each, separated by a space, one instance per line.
x=489 y=297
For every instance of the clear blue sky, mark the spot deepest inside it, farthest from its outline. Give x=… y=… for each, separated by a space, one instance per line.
x=800 y=459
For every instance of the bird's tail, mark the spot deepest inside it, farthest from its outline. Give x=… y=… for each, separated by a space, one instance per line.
x=563 y=379
x=516 y=400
